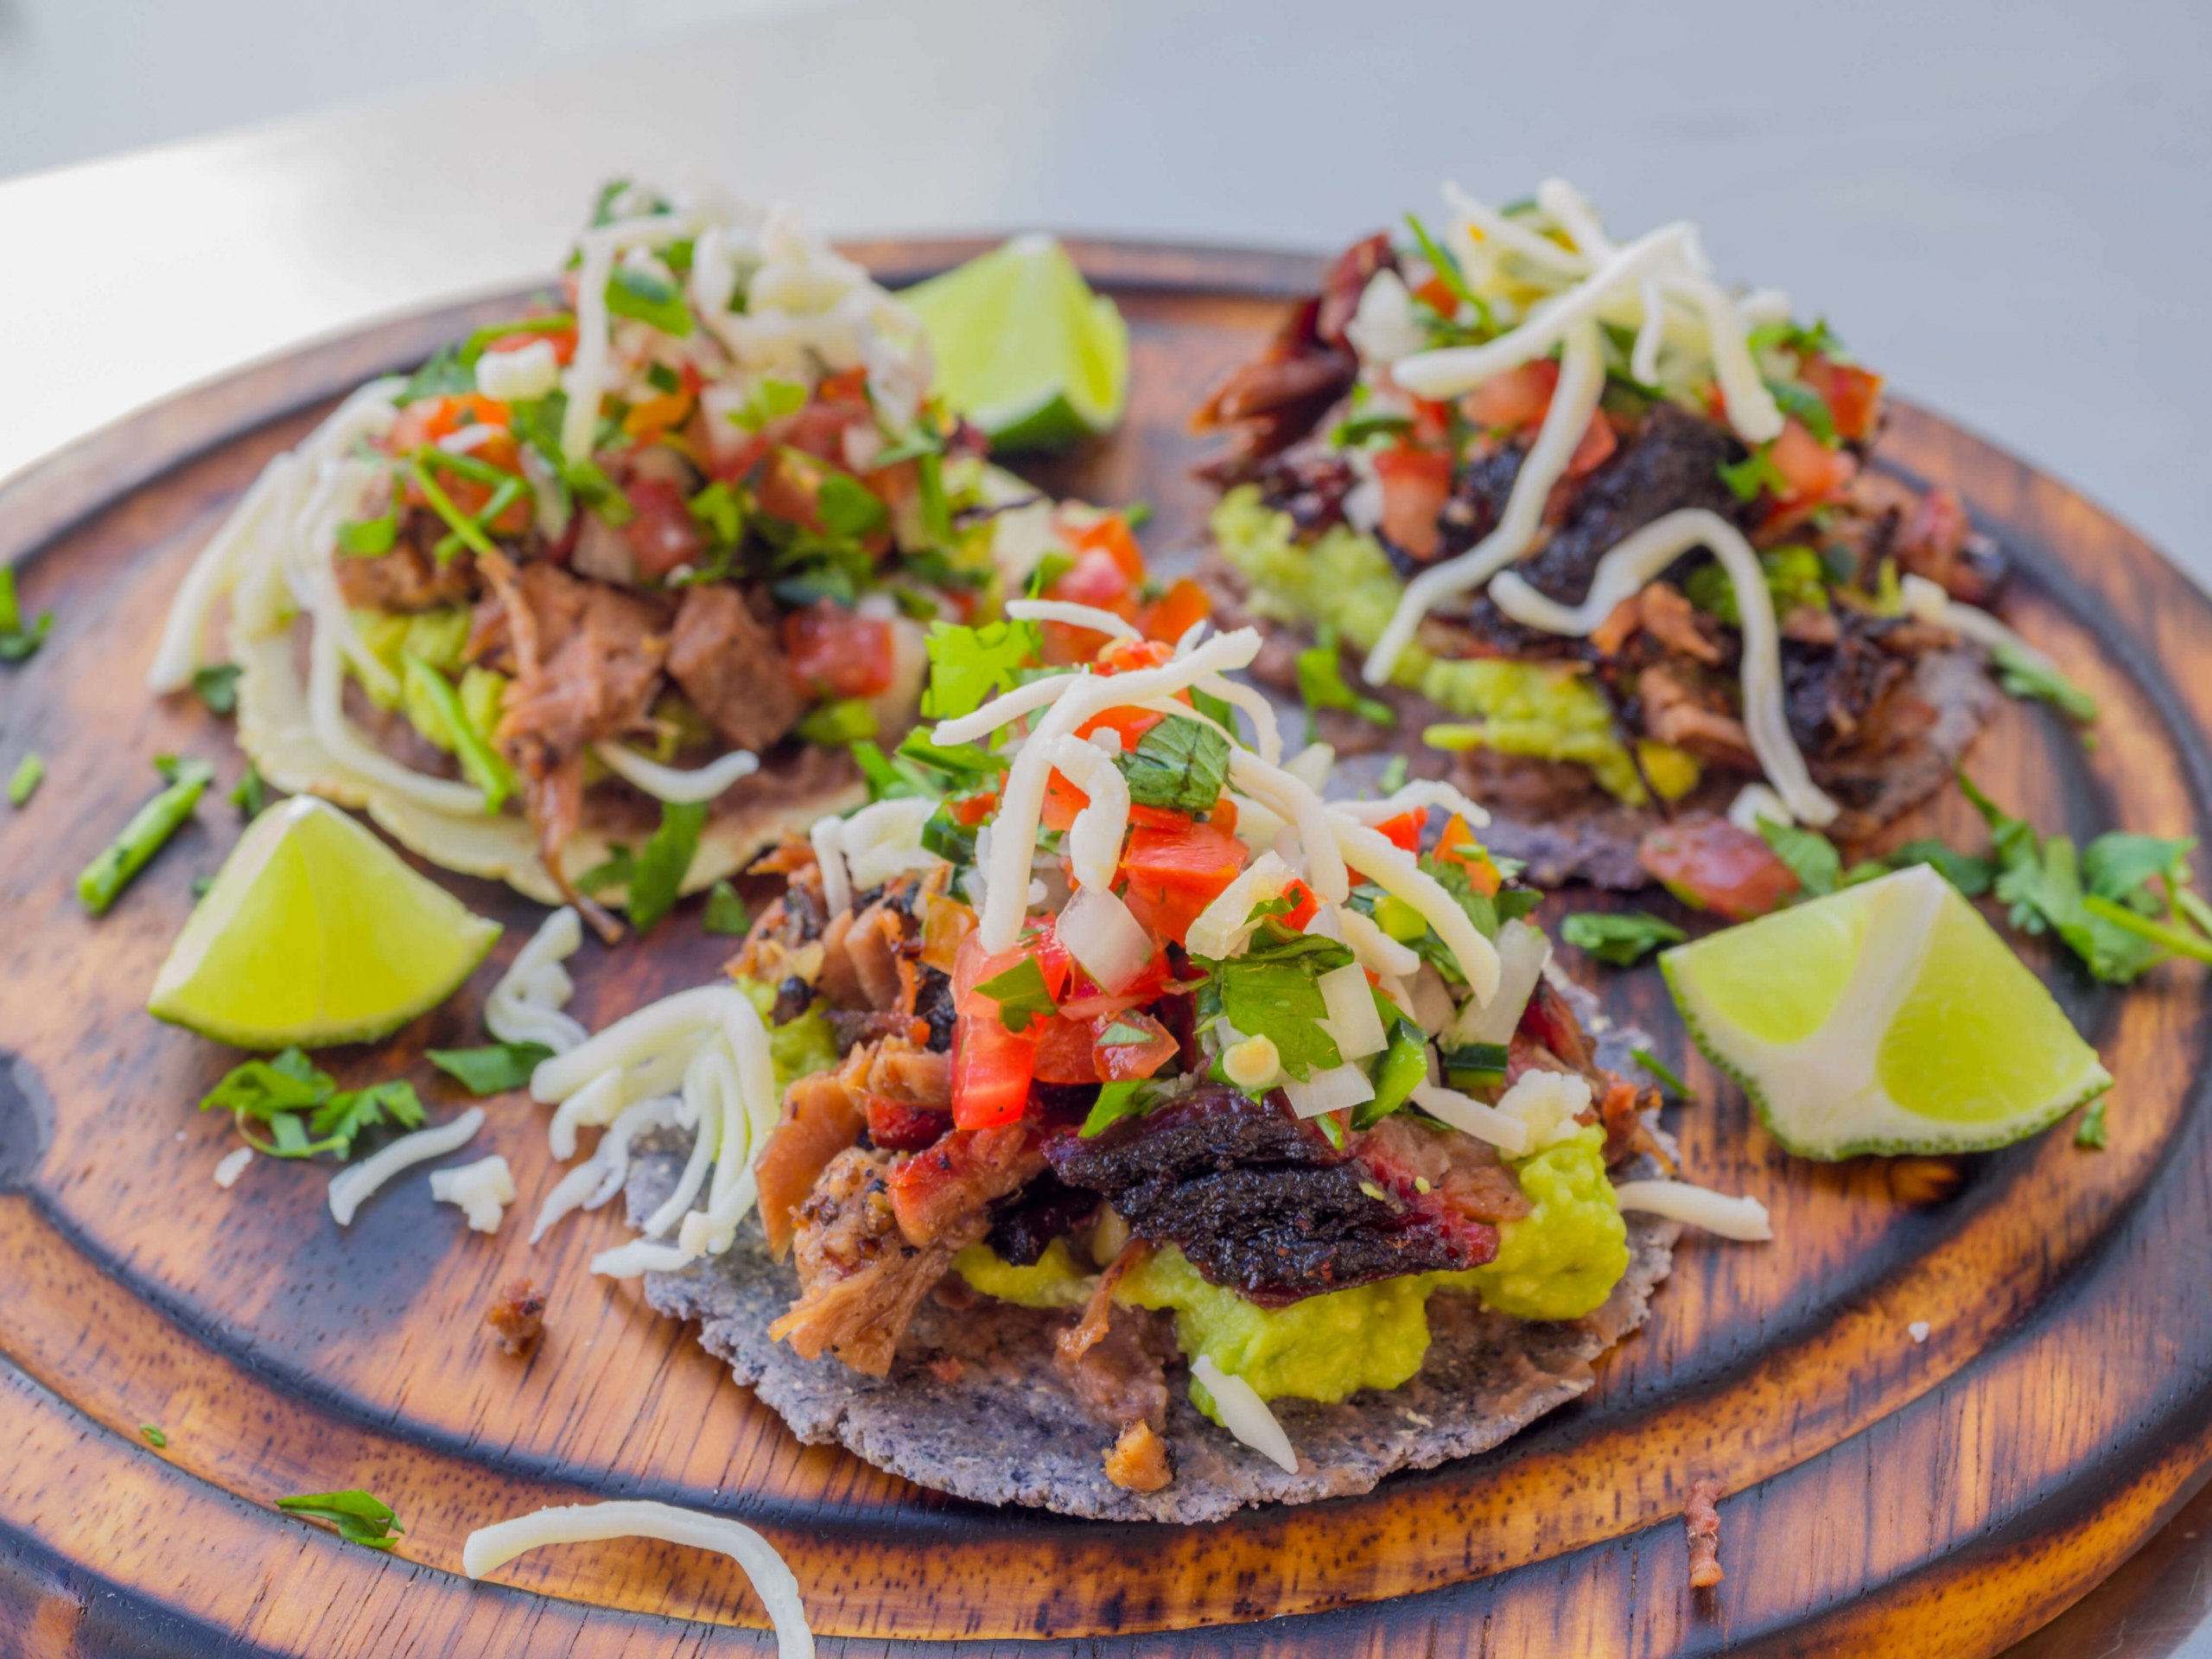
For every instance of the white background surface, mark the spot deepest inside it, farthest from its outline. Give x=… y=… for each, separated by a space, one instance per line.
x=2007 y=207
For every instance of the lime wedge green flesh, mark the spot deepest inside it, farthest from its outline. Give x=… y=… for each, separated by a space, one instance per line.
x=1889 y=1017
x=315 y=933
x=1024 y=349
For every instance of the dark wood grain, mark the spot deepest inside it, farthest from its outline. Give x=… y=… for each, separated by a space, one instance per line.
x=1884 y=1496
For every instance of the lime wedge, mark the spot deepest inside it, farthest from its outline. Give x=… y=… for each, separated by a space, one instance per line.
x=1024 y=348
x=1888 y=1018
x=314 y=933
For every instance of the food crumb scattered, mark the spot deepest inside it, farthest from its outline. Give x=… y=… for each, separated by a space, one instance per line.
x=947 y=1368
x=1701 y=1521
x=1917 y=1330
x=1139 y=1461
x=233 y=1165
x=1413 y=1416
x=519 y=1315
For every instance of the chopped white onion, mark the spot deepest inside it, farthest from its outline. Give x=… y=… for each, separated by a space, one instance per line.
x=489 y=1548
x=520 y=376
x=1754 y=802
x=483 y=1189
x=1353 y=1023
x=1111 y=945
x=1464 y=1113
x=1744 y=1218
x=1328 y=1091
x=1244 y=1414
x=351 y=1187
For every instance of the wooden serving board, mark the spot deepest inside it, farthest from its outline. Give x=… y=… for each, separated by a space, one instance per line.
x=1885 y=1496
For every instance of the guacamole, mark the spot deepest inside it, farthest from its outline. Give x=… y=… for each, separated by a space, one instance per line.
x=1559 y=1263
x=1550 y=711
x=797 y=1048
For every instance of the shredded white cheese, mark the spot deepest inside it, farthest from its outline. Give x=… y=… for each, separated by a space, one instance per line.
x=1372 y=853
x=526 y=1005
x=489 y=1548
x=232 y=1165
x=1742 y=1218
x=676 y=783
x=483 y=1189
x=1079 y=616
x=351 y=1187
x=1641 y=555
x=1244 y=1414
x=884 y=841
x=828 y=836
x=599 y=1176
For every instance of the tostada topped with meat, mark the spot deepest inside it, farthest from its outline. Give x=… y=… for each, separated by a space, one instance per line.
x=1602 y=541
x=1147 y=1057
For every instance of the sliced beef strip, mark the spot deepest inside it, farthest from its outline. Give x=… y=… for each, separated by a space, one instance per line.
x=732 y=667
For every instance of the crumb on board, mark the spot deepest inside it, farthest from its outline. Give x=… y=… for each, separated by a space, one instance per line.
x=1139 y=1461
x=519 y=1315
x=947 y=1368
x=1701 y=1521
x=1918 y=1331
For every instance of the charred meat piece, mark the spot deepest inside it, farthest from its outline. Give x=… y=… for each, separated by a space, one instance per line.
x=1830 y=692
x=1701 y=1523
x=1461 y=1172
x=823 y=1116
x=1047 y=1209
x=1261 y=1203
x=1139 y=1461
x=934 y=1191
x=1119 y=1379
x=732 y=667
x=587 y=661
x=407 y=579
x=898 y=1126
x=518 y=1315
x=1672 y=463
x=861 y=1281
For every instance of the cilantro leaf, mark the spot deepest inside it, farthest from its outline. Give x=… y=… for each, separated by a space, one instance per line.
x=1794 y=397
x=495 y=1069
x=1756 y=472
x=965 y=761
x=1651 y=1062
x=344 y=1116
x=848 y=507
x=1179 y=764
x=2023 y=675
x=769 y=399
x=1619 y=938
x=1130 y=1098
x=1972 y=876
x=969 y=666
x=444 y=376
x=23 y=782
x=152 y=1434
x=2120 y=866
x=1321 y=685
x=359 y=1517
x=1020 y=993
x=217 y=685
x=17 y=642
x=1273 y=990
x=1811 y=856
x=657 y=878
x=648 y=298
x=727 y=914
x=949 y=839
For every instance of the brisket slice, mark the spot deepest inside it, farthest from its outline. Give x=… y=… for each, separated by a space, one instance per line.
x=733 y=668
x=1259 y=1202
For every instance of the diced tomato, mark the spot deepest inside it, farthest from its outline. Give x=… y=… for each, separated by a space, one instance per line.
x=819 y=430
x=1054 y=962
x=562 y=340
x=974 y=809
x=1224 y=816
x=663 y=534
x=1812 y=470
x=1063 y=800
x=1853 y=396
x=1158 y=818
x=1172 y=615
x=1127 y=656
x=1174 y=874
x=1436 y=294
x=1415 y=484
x=1304 y=906
x=1404 y=830
x=1110 y=533
x=427 y=419
x=1098 y=581
x=1519 y=398
x=1063 y=1052
x=1131 y=723
x=1457 y=845
x=834 y=653
x=847 y=386
x=1130 y=1045
x=1708 y=861
x=991 y=1071
x=897 y=1126
x=1432 y=423
x=790 y=487
x=1595 y=448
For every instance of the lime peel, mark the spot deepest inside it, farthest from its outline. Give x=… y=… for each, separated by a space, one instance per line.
x=1888 y=1018
x=315 y=933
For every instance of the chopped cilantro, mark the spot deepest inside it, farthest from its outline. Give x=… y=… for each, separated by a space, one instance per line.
x=657 y=878
x=1651 y=1062
x=1350 y=433
x=17 y=642
x=217 y=685
x=2023 y=675
x=718 y=511
x=495 y=1069
x=1130 y=1098
x=1273 y=991
x=616 y=870
x=1970 y=875
x=649 y=298
x=769 y=399
x=1179 y=764
x=279 y=1092
x=837 y=724
x=1811 y=856
x=252 y=795
x=360 y=1518
x=1393 y=775
x=848 y=507
x=1447 y=269
x=1757 y=471
x=727 y=914
x=153 y=1436
x=444 y=376
x=950 y=840
x=1020 y=993
x=2042 y=883
x=1617 y=937
x=969 y=666
x=557 y=322
x=2090 y=1131
x=965 y=761
x=1321 y=685
x=23 y=782
x=1794 y=397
